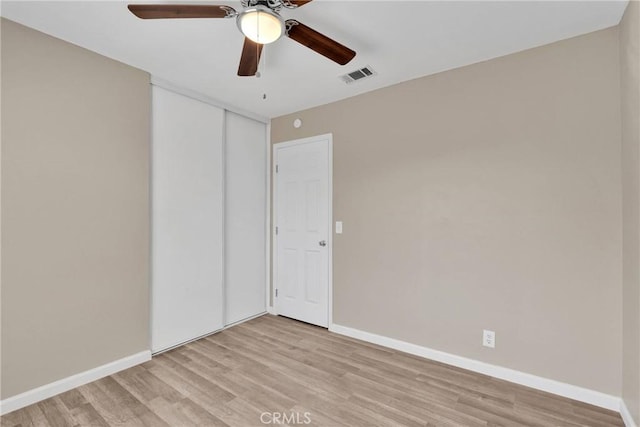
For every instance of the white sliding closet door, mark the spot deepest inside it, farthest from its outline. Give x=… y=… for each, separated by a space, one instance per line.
x=187 y=236
x=245 y=217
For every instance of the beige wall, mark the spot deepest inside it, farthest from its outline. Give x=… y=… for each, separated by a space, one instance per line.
x=1 y=22
x=75 y=209
x=486 y=197
x=630 y=96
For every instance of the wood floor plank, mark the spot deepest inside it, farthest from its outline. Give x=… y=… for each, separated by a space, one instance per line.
x=342 y=413
x=406 y=400
x=169 y=412
x=106 y=405
x=389 y=411
x=274 y=366
x=17 y=419
x=36 y=416
x=86 y=415
x=72 y=399
x=56 y=413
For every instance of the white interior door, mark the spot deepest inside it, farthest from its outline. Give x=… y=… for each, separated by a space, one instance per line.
x=187 y=209
x=245 y=222
x=302 y=220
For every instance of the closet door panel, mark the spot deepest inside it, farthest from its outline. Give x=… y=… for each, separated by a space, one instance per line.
x=245 y=225
x=187 y=224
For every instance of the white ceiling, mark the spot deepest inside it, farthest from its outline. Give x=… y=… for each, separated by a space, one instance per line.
x=400 y=40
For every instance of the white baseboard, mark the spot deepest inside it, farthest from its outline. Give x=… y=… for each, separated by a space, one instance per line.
x=539 y=383
x=272 y=310
x=626 y=415
x=49 y=390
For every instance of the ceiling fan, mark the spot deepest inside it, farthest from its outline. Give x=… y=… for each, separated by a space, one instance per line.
x=260 y=23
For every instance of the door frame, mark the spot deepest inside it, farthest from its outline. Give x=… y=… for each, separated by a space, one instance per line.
x=274 y=197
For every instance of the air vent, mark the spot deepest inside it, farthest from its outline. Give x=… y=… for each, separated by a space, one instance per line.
x=362 y=73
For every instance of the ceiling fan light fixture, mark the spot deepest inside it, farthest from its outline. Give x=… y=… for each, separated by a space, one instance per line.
x=261 y=25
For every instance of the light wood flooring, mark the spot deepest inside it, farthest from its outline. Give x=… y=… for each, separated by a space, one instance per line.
x=276 y=365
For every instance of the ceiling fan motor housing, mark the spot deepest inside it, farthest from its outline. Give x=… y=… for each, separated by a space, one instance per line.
x=274 y=5
x=261 y=24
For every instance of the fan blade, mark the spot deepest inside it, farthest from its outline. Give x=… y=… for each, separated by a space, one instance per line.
x=299 y=3
x=162 y=11
x=319 y=42
x=250 y=58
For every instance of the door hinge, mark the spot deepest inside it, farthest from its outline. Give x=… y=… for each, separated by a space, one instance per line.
x=276 y=293
x=276 y=230
x=277 y=168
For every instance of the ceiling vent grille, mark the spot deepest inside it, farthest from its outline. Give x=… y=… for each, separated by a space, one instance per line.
x=361 y=74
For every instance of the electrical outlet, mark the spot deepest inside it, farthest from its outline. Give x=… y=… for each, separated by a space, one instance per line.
x=338 y=227
x=488 y=338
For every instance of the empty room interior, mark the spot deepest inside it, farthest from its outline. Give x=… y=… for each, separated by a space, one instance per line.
x=327 y=213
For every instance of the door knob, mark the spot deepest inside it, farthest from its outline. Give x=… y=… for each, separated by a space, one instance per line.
x=323 y=243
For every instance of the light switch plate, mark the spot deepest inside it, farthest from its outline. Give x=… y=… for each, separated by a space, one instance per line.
x=338 y=227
